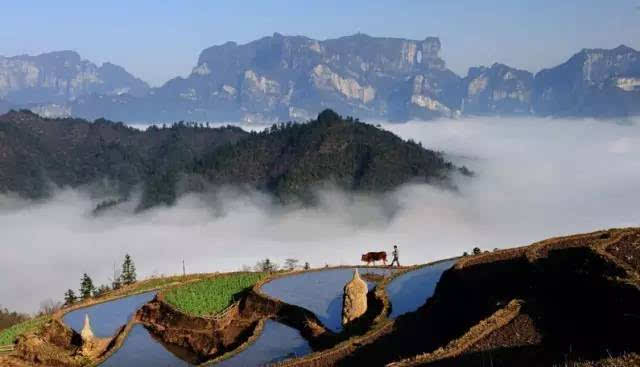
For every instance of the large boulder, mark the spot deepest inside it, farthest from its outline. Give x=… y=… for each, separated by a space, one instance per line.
x=354 y=302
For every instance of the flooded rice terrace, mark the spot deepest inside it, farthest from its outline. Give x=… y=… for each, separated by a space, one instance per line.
x=411 y=290
x=318 y=291
x=276 y=343
x=141 y=350
x=107 y=317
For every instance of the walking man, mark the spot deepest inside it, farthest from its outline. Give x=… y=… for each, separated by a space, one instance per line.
x=395 y=256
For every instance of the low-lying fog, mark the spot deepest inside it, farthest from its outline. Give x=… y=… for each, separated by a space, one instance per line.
x=535 y=178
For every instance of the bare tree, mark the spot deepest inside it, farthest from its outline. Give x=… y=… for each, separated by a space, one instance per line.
x=49 y=306
x=266 y=266
x=291 y=264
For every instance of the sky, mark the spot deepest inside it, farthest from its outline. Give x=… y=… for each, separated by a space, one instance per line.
x=158 y=40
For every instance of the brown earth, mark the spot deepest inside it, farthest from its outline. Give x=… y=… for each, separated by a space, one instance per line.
x=58 y=345
x=579 y=303
x=578 y=299
x=627 y=249
x=206 y=337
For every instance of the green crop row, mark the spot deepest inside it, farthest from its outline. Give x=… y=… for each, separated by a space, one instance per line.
x=9 y=335
x=211 y=296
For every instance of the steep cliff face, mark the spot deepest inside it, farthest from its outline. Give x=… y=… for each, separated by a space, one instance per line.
x=594 y=82
x=294 y=78
x=59 y=77
x=499 y=89
x=281 y=78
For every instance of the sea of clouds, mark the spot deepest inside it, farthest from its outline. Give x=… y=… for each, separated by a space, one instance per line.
x=534 y=178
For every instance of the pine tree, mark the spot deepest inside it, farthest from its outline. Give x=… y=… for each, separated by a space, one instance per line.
x=307 y=266
x=86 y=287
x=128 y=270
x=70 y=297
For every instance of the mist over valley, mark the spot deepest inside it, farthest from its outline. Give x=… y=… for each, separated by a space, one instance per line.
x=533 y=178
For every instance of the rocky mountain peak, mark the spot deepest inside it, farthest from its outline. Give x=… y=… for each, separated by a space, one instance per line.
x=60 y=77
x=65 y=55
x=287 y=77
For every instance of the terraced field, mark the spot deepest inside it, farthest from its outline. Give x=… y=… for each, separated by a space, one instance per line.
x=276 y=343
x=212 y=295
x=8 y=336
x=318 y=291
x=141 y=350
x=409 y=291
x=107 y=317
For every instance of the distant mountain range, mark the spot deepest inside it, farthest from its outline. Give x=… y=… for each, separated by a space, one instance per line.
x=282 y=78
x=287 y=160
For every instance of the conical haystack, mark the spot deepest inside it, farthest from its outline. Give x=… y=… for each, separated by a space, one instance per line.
x=86 y=333
x=354 y=302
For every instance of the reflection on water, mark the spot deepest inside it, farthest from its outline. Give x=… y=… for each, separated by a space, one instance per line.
x=141 y=350
x=107 y=317
x=318 y=291
x=411 y=290
x=277 y=342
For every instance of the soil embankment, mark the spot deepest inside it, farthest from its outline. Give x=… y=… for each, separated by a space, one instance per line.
x=206 y=337
x=211 y=337
x=578 y=301
x=58 y=345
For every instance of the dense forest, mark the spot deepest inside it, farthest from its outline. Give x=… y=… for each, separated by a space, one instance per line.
x=287 y=160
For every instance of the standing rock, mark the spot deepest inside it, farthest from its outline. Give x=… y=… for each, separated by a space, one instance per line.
x=89 y=341
x=86 y=333
x=354 y=302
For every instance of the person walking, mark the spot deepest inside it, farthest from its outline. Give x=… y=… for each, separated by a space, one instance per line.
x=395 y=256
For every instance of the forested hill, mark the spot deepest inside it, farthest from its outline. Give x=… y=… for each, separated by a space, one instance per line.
x=287 y=160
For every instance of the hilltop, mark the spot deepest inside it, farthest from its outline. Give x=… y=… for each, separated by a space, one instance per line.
x=287 y=160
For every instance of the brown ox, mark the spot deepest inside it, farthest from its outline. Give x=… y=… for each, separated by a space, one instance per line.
x=375 y=256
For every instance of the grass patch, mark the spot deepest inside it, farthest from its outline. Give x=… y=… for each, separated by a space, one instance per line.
x=8 y=336
x=210 y=296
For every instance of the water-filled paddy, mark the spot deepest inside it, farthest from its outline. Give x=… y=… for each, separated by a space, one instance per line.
x=318 y=291
x=410 y=291
x=277 y=342
x=107 y=317
x=141 y=350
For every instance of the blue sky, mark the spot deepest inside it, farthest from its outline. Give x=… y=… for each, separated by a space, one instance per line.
x=160 y=39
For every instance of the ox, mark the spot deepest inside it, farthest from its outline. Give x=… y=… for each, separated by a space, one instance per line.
x=375 y=256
